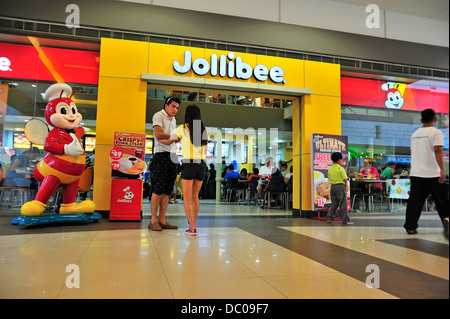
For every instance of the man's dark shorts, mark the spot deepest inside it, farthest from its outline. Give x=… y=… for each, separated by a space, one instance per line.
x=163 y=173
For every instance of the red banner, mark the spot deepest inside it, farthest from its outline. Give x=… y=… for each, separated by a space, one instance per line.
x=30 y=62
x=416 y=96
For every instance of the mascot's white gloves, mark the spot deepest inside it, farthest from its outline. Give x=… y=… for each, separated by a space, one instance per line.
x=174 y=137
x=73 y=149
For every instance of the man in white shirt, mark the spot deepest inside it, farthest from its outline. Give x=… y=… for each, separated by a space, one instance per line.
x=265 y=172
x=269 y=168
x=163 y=166
x=427 y=172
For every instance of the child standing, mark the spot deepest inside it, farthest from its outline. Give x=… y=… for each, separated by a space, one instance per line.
x=338 y=192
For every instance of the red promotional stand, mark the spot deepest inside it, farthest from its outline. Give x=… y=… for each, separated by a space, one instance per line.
x=126 y=199
x=127 y=171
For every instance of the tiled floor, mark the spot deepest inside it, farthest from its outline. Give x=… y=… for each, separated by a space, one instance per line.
x=241 y=252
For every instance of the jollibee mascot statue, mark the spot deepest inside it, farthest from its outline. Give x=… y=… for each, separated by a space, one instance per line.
x=65 y=159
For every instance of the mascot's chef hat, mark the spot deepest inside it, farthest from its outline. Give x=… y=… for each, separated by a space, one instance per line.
x=57 y=90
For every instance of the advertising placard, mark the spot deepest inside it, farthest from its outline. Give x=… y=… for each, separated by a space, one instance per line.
x=127 y=172
x=322 y=146
x=127 y=156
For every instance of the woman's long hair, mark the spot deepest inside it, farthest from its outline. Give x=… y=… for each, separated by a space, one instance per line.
x=193 y=122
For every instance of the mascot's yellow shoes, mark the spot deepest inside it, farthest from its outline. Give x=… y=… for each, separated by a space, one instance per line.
x=86 y=206
x=33 y=208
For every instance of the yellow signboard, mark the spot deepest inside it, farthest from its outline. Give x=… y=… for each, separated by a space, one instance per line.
x=183 y=61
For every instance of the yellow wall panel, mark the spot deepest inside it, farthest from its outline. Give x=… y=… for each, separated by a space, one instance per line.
x=102 y=178
x=296 y=185
x=123 y=58
x=323 y=78
x=319 y=114
x=121 y=107
x=250 y=59
x=162 y=56
x=296 y=135
x=293 y=70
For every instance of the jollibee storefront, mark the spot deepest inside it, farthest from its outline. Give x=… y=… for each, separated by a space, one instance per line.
x=127 y=68
x=117 y=80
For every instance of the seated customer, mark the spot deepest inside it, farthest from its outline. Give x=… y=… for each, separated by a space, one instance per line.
x=370 y=188
x=255 y=174
x=265 y=172
x=21 y=162
x=243 y=174
x=284 y=169
x=356 y=191
x=277 y=186
x=388 y=172
x=230 y=174
x=288 y=176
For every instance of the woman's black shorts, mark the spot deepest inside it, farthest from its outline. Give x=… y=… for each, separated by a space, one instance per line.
x=163 y=173
x=193 y=170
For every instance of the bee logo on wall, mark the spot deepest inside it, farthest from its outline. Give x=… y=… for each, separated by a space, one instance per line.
x=393 y=97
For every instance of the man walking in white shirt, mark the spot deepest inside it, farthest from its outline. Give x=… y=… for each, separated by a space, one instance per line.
x=427 y=172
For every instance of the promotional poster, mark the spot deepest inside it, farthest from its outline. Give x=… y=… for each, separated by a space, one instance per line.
x=128 y=156
x=128 y=166
x=322 y=146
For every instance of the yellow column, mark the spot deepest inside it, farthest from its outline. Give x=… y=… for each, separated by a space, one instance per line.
x=296 y=156
x=320 y=113
x=121 y=105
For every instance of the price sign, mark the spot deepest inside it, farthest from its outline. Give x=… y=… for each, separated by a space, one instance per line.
x=320 y=202
x=116 y=153
x=115 y=165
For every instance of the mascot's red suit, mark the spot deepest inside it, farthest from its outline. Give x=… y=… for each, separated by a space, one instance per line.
x=65 y=161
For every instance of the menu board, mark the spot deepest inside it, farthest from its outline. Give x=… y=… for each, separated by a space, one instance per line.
x=89 y=143
x=322 y=146
x=20 y=141
x=210 y=149
x=127 y=156
x=225 y=150
x=149 y=146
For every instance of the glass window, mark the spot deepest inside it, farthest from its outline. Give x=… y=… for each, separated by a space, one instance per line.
x=30 y=66
x=276 y=142
x=379 y=118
